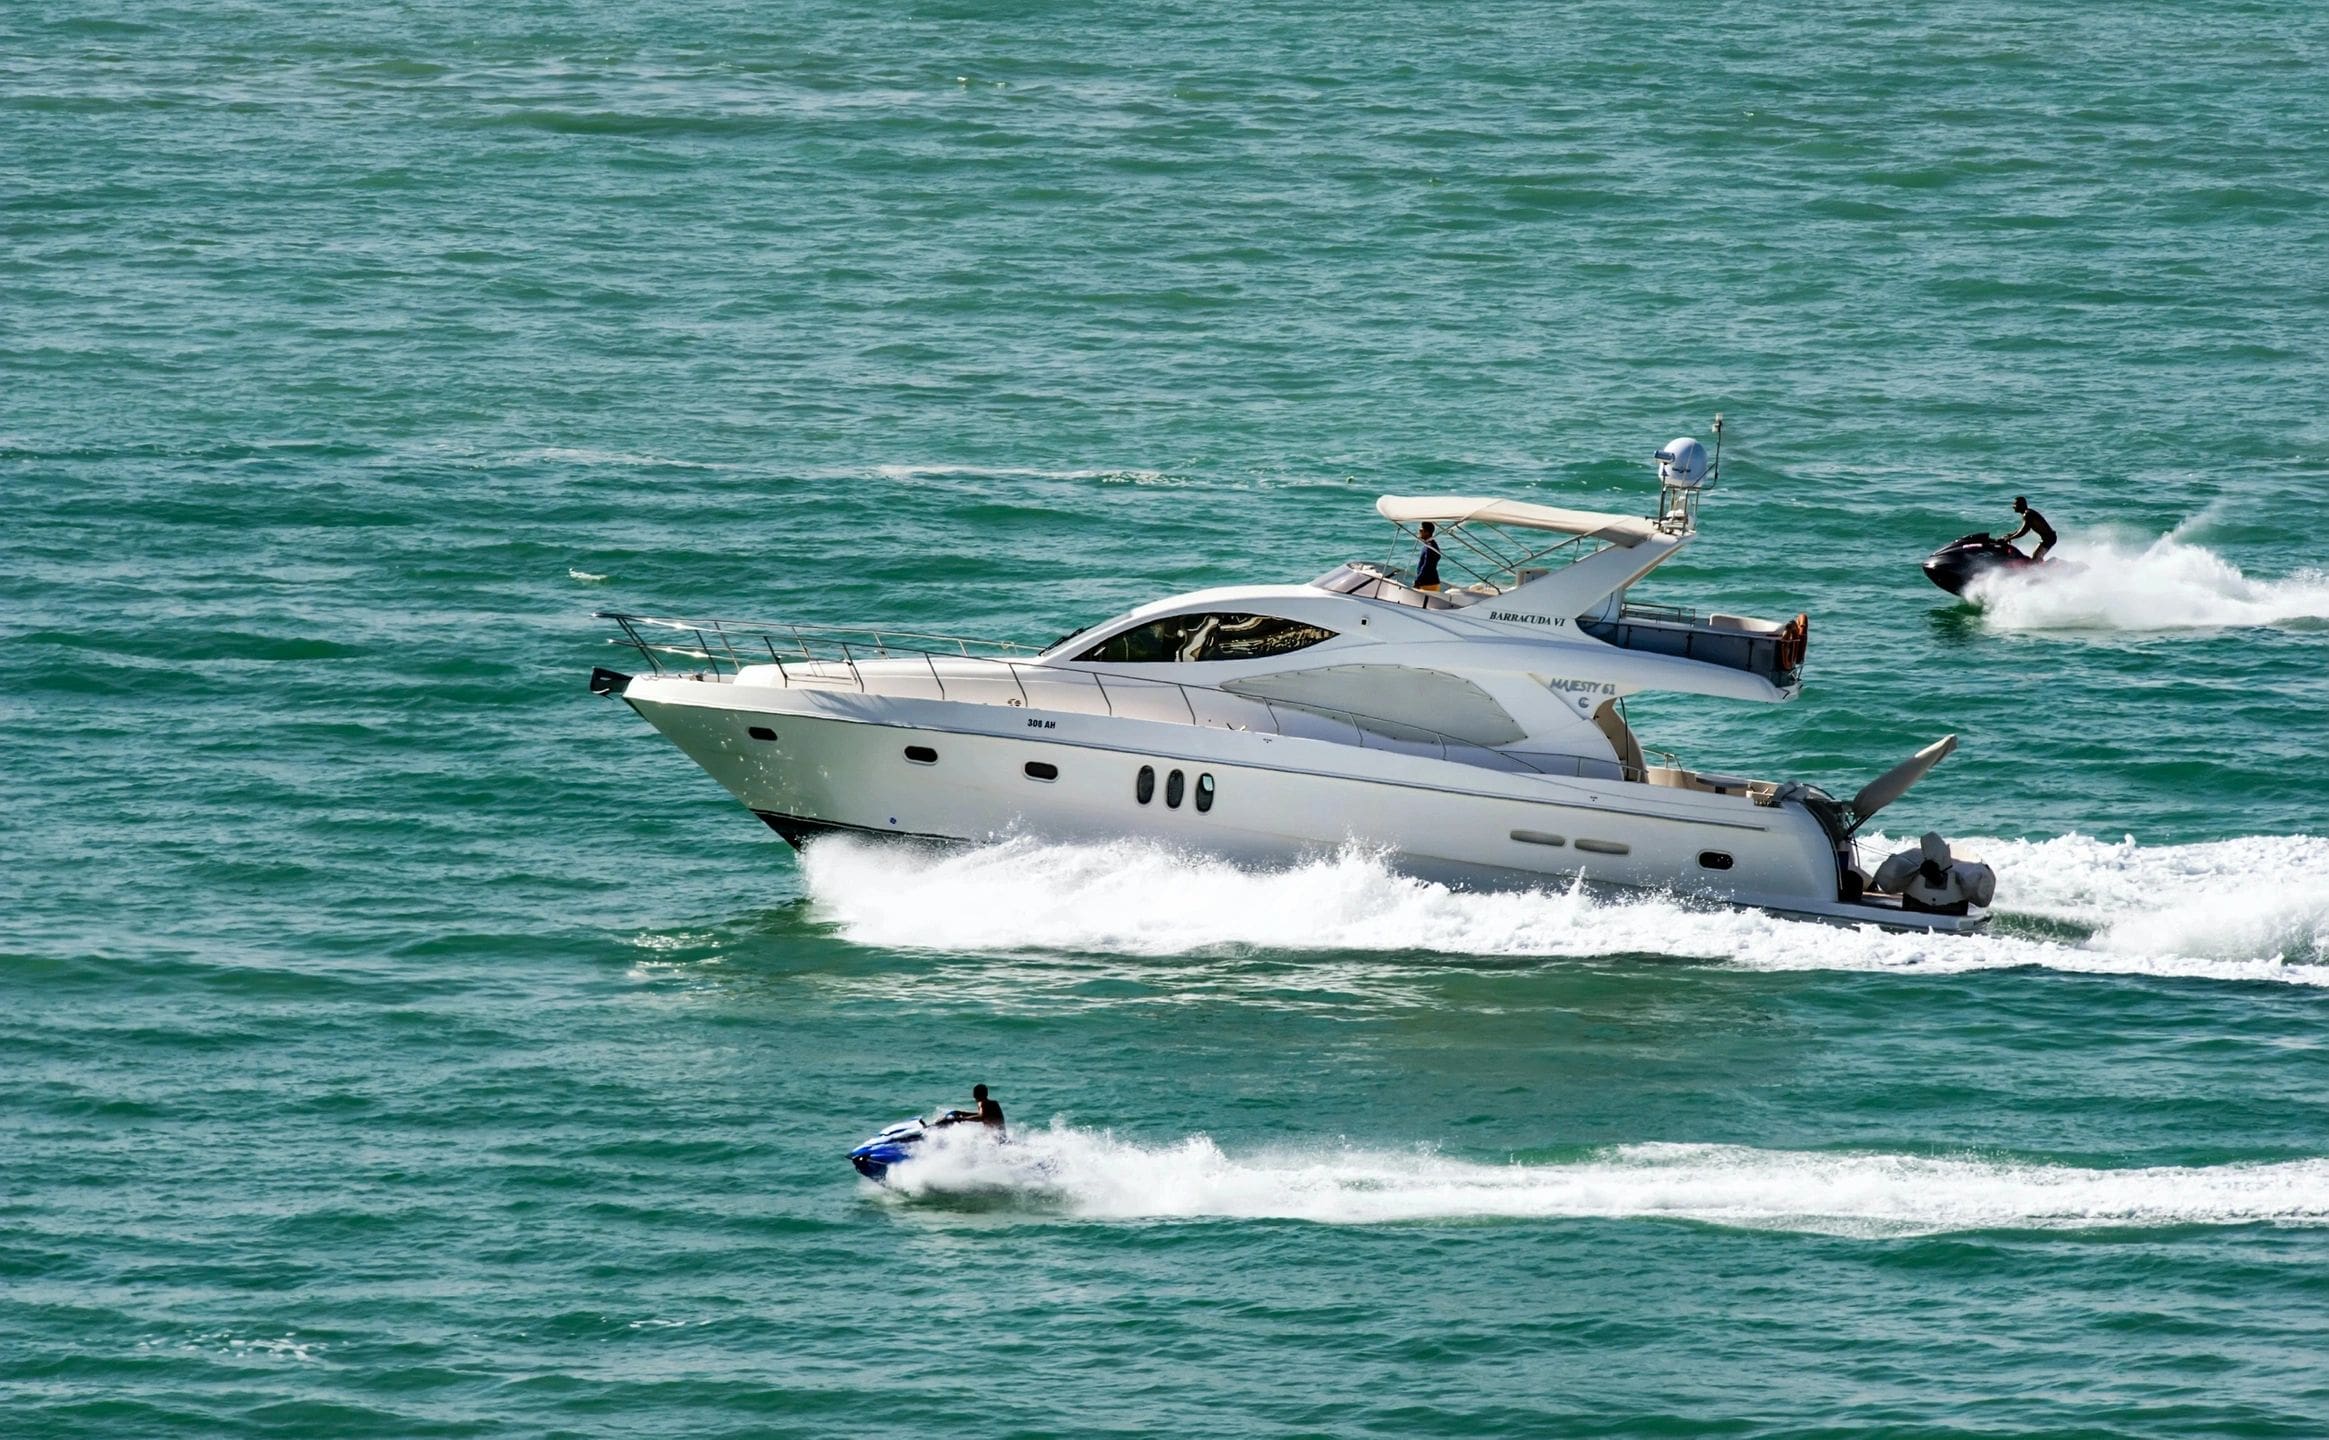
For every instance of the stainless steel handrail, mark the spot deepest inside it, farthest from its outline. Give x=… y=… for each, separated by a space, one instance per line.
x=1571 y=766
x=798 y=631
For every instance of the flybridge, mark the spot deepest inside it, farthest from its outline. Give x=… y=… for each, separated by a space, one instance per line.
x=1494 y=540
x=1578 y=584
x=1496 y=550
x=1515 y=514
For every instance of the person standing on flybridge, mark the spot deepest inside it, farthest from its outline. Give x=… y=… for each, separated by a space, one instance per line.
x=1427 y=563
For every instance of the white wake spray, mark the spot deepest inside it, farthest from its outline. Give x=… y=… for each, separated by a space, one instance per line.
x=2241 y=910
x=2166 y=584
x=2257 y=898
x=1092 y=1175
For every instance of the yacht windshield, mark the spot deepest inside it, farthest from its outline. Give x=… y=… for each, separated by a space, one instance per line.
x=1213 y=635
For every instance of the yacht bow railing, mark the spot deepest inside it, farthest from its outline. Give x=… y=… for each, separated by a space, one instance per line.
x=716 y=642
x=827 y=655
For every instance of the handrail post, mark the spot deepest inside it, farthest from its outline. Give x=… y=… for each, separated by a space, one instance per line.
x=851 y=661
x=1013 y=667
x=1105 y=698
x=932 y=661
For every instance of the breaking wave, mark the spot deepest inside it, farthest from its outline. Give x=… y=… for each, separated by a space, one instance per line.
x=2254 y=909
x=1093 y=1175
x=2166 y=585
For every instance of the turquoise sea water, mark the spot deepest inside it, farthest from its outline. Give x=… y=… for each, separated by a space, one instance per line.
x=396 y=1041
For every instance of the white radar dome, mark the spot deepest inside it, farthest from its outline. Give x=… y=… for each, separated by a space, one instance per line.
x=1682 y=462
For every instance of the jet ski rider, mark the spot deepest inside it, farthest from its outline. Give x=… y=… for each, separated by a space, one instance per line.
x=2033 y=523
x=988 y=1112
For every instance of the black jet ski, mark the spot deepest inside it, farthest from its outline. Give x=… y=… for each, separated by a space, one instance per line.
x=1961 y=562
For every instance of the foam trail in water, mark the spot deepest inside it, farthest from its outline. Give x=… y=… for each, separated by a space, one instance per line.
x=1137 y=898
x=1090 y=1175
x=2166 y=584
x=2255 y=909
x=2254 y=898
x=1013 y=472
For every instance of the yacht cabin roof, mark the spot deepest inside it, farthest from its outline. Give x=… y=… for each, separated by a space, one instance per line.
x=1519 y=514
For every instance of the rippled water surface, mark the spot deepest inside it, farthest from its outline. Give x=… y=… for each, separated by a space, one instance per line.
x=396 y=1041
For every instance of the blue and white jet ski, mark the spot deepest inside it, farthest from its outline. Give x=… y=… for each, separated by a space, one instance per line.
x=903 y=1141
x=893 y=1146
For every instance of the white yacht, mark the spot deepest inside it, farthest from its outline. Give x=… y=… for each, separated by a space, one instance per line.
x=1471 y=731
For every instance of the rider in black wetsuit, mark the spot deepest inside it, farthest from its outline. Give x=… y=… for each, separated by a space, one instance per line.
x=989 y=1113
x=2033 y=523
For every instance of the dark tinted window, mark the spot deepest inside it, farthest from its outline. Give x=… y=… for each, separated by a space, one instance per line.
x=1714 y=860
x=1204 y=793
x=921 y=754
x=1144 y=788
x=1042 y=770
x=761 y=732
x=1217 y=635
x=1173 y=788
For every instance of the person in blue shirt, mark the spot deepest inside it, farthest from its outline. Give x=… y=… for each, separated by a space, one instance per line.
x=1427 y=563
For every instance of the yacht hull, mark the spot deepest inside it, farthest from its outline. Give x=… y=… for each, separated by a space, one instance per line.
x=813 y=761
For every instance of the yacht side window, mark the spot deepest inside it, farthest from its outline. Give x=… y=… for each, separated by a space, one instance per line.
x=1216 y=635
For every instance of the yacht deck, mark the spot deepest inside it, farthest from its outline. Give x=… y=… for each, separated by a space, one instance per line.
x=911 y=666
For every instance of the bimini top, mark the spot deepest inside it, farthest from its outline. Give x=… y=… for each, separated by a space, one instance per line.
x=1482 y=510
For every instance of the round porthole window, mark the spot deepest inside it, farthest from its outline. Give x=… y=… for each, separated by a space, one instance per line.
x=1204 y=793
x=1144 y=788
x=1174 y=786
